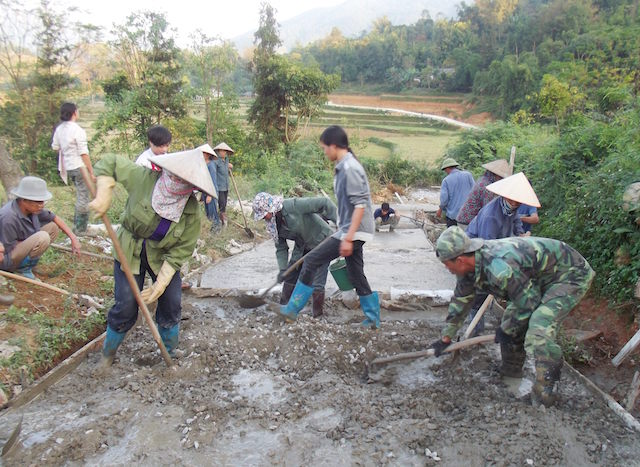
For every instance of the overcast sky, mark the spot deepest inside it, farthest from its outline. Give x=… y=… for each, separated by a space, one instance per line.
x=226 y=18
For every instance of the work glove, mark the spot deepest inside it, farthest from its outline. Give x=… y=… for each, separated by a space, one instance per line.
x=439 y=346
x=104 y=191
x=151 y=294
x=281 y=276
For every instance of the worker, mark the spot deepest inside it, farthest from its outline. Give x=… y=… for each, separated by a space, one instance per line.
x=355 y=227
x=70 y=140
x=303 y=220
x=223 y=166
x=159 y=140
x=528 y=217
x=385 y=215
x=479 y=196
x=500 y=219
x=27 y=229
x=454 y=190
x=541 y=279
x=5 y=299
x=210 y=203
x=158 y=232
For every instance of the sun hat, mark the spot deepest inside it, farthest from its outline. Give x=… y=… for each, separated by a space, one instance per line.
x=516 y=188
x=454 y=242
x=449 y=162
x=189 y=166
x=205 y=148
x=225 y=147
x=499 y=167
x=32 y=189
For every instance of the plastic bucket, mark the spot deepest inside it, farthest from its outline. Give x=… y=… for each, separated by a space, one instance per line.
x=339 y=272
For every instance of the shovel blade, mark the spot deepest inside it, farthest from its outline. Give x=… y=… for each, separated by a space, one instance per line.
x=249 y=232
x=251 y=301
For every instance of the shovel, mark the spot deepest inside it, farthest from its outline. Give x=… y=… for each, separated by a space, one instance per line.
x=248 y=231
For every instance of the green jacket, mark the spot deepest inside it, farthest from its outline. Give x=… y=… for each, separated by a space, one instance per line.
x=302 y=222
x=520 y=270
x=139 y=220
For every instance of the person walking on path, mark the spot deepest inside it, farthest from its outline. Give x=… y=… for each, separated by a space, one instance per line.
x=454 y=190
x=542 y=280
x=303 y=220
x=479 y=196
x=158 y=232
x=500 y=219
x=385 y=215
x=223 y=166
x=355 y=227
x=70 y=140
x=210 y=203
x=27 y=229
x=159 y=140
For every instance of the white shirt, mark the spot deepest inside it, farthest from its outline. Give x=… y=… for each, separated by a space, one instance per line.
x=70 y=140
x=143 y=159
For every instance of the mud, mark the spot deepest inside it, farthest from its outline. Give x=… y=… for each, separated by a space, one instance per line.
x=252 y=390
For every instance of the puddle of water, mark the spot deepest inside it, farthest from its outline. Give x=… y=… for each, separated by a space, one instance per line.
x=416 y=374
x=258 y=387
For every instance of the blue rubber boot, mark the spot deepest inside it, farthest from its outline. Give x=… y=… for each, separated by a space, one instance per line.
x=110 y=346
x=299 y=298
x=25 y=266
x=371 y=308
x=170 y=338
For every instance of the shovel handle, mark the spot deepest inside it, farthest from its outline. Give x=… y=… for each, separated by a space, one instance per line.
x=235 y=187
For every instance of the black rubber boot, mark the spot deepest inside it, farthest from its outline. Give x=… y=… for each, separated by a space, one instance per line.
x=287 y=290
x=547 y=375
x=513 y=357
x=80 y=222
x=318 y=303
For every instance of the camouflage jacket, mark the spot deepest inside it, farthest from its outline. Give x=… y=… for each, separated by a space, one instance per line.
x=518 y=270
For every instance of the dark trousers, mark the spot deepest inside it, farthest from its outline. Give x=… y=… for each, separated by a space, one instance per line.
x=123 y=314
x=212 y=211
x=330 y=250
x=319 y=278
x=451 y=222
x=222 y=201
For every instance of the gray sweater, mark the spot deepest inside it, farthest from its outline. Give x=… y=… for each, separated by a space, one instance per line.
x=351 y=187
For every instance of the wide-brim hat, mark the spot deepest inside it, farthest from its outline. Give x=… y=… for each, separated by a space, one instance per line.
x=205 y=148
x=454 y=242
x=189 y=166
x=32 y=189
x=516 y=188
x=225 y=147
x=449 y=162
x=499 y=167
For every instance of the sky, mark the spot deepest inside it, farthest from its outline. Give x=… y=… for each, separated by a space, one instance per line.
x=226 y=18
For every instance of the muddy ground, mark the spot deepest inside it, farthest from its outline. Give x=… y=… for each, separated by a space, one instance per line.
x=253 y=390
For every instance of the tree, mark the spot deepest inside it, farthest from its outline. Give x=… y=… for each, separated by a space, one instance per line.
x=556 y=98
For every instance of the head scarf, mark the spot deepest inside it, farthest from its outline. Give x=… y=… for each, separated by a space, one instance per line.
x=263 y=204
x=507 y=210
x=170 y=196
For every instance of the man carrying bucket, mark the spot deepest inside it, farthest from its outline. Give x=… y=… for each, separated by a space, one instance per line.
x=302 y=220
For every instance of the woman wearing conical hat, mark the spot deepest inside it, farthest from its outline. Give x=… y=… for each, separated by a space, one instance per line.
x=479 y=196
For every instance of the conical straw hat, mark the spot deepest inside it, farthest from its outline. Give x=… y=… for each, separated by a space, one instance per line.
x=499 y=167
x=225 y=147
x=189 y=166
x=517 y=188
x=207 y=149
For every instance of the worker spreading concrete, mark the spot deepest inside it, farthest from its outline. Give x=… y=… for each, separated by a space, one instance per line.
x=158 y=233
x=542 y=280
x=454 y=190
x=303 y=221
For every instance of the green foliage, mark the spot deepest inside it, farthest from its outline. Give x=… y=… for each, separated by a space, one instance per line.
x=397 y=170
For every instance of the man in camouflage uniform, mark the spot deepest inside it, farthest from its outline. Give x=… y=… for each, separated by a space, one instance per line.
x=542 y=280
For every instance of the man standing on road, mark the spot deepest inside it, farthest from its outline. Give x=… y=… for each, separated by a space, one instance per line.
x=541 y=279
x=223 y=166
x=454 y=190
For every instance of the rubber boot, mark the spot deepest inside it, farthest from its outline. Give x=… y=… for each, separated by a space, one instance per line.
x=299 y=298
x=25 y=267
x=513 y=357
x=318 y=303
x=547 y=375
x=80 y=223
x=287 y=290
x=170 y=338
x=371 y=308
x=110 y=346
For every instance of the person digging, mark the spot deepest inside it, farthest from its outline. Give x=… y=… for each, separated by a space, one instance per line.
x=541 y=279
x=158 y=232
x=303 y=221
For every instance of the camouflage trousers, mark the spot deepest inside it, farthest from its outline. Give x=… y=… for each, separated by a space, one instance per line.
x=539 y=326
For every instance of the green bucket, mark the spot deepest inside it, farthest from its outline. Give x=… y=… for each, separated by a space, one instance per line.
x=339 y=272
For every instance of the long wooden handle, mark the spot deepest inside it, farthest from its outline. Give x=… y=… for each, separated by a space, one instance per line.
x=430 y=352
x=82 y=252
x=127 y=272
x=235 y=187
x=44 y=285
x=476 y=318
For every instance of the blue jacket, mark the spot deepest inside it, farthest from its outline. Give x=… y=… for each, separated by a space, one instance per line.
x=491 y=223
x=454 y=191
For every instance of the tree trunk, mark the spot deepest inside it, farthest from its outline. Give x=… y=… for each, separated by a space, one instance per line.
x=10 y=171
